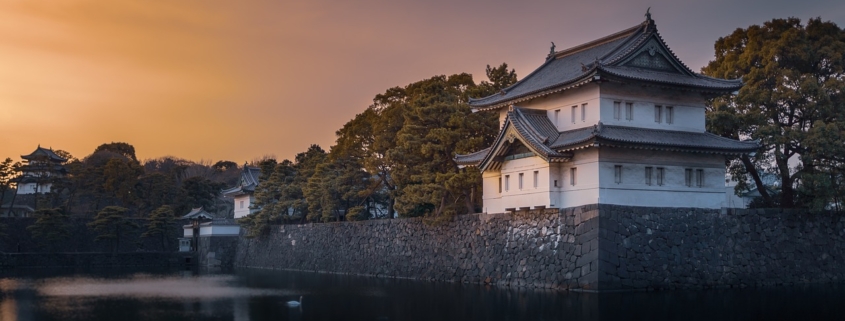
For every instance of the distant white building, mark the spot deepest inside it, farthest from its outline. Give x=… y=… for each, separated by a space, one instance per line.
x=41 y=167
x=618 y=120
x=242 y=193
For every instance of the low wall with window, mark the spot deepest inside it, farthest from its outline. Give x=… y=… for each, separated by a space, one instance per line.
x=593 y=247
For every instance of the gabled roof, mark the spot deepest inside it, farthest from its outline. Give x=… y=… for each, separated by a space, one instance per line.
x=634 y=54
x=198 y=213
x=531 y=127
x=246 y=184
x=44 y=152
x=534 y=129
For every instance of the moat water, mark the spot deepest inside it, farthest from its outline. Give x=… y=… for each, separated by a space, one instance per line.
x=263 y=295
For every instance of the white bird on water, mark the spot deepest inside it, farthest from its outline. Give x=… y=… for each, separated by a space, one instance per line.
x=294 y=304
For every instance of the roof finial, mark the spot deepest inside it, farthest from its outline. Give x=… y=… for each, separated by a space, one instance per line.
x=552 y=49
x=648 y=14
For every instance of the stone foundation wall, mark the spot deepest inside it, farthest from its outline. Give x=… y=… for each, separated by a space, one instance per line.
x=667 y=248
x=594 y=247
x=544 y=249
x=217 y=251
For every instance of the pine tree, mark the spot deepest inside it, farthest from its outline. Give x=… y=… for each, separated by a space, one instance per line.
x=160 y=224
x=109 y=221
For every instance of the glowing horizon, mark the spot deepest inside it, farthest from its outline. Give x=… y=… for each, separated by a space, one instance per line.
x=215 y=80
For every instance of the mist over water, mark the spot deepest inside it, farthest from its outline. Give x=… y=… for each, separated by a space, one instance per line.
x=263 y=295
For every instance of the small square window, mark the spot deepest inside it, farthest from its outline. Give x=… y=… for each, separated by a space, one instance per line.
x=507 y=182
x=583 y=112
x=617 y=174
x=617 y=110
x=658 y=113
x=660 y=173
x=670 y=114
x=699 y=177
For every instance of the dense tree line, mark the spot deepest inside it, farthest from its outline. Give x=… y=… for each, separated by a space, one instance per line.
x=394 y=158
x=793 y=102
x=112 y=187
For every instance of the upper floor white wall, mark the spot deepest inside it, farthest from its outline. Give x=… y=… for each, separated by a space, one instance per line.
x=682 y=111
x=587 y=105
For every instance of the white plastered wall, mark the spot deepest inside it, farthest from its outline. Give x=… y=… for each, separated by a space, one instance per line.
x=688 y=107
x=241 y=211
x=564 y=101
x=512 y=196
x=633 y=190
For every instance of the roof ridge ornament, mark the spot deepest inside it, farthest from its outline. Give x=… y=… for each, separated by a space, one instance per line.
x=648 y=15
x=551 y=50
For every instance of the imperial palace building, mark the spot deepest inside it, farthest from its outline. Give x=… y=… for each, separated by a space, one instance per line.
x=618 y=120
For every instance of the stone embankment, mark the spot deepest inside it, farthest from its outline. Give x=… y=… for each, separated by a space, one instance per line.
x=544 y=249
x=595 y=247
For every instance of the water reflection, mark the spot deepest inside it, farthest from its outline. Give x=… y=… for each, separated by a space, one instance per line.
x=262 y=295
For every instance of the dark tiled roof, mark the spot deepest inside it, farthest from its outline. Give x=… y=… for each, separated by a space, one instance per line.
x=471 y=158
x=198 y=213
x=581 y=64
x=533 y=128
x=653 y=138
x=42 y=152
x=247 y=183
x=672 y=78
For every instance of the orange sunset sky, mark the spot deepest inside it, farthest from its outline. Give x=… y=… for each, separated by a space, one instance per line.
x=235 y=80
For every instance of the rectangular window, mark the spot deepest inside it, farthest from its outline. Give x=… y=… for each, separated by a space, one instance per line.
x=574 y=113
x=500 y=185
x=556 y=183
x=520 y=180
x=507 y=182
x=583 y=112
x=617 y=110
x=557 y=117
x=617 y=174
x=572 y=172
x=699 y=177
x=629 y=111
x=242 y=204
x=688 y=176
x=658 y=113
x=648 y=171
x=670 y=114
x=536 y=178
x=660 y=172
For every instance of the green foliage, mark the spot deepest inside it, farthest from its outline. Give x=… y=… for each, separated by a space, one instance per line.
x=335 y=188
x=8 y=172
x=792 y=102
x=109 y=222
x=120 y=178
x=160 y=223
x=50 y=227
x=407 y=139
x=124 y=149
x=198 y=192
